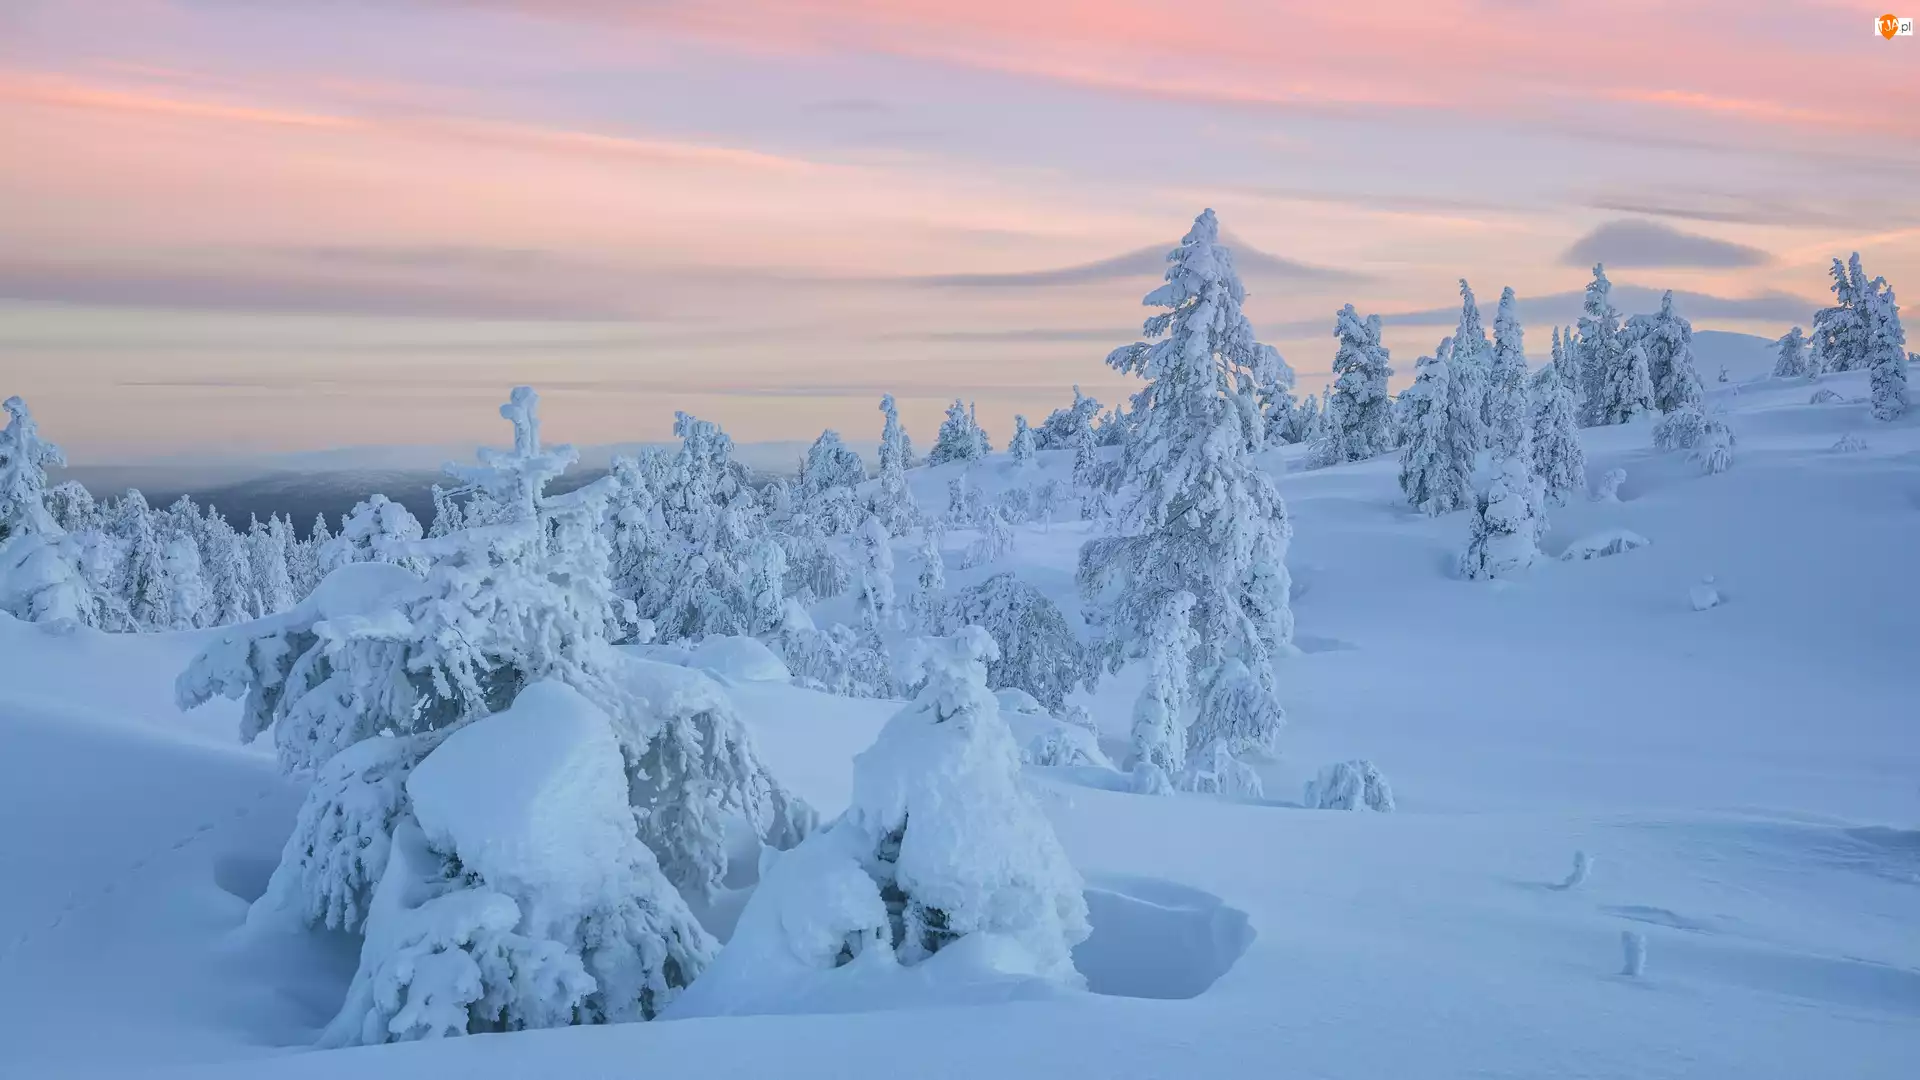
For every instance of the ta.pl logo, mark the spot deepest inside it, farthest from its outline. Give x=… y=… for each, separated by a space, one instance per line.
x=1892 y=26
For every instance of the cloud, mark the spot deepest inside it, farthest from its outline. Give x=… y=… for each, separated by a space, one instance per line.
x=1649 y=243
x=1145 y=263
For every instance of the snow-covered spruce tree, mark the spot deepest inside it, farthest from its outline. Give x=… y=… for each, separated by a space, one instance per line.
x=1194 y=515
x=892 y=501
x=1506 y=394
x=1359 y=414
x=1064 y=428
x=230 y=572
x=930 y=585
x=1600 y=351
x=1841 y=333
x=1714 y=449
x=447 y=514
x=835 y=661
x=1436 y=464
x=44 y=571
x=267 y=547
x=1089 y=479
x=1628 y=390
x=140 y=580
x=1038 y=652
x=941 y=852
x=25 y=458
x=375 y=530
x=73 y=507
x=1886 y=355
x=1792 y=361
x=875 y=600
x=830 y=464
x=377 y=653
x=1505 y=529
x=483 y=922
x=960 y=438
x=1559 y=461
x=1471 y=361
x=1667 y=340
x=1021 y=448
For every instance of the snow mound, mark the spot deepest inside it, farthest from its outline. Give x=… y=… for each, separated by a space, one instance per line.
x=1704 y=596
x=1156 y=939
x=1602 y=544
x=360 y=589
x=743 y=659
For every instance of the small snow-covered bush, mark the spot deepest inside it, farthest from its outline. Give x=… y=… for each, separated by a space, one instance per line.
x=1703 y=595
x=1714 y=451
x=1849 y=444
x=1824 y=396
x=1215 y=770
x=1350 y=785
x=1505 y=525
x=1679 y=429
x=1602 y=544
x=1609 y=487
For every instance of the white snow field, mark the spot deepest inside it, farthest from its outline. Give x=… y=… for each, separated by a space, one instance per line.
x=1745 y=778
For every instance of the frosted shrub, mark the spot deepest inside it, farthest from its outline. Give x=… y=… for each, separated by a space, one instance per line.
x=1824 y=396
x=1350 y=785
x=1216 y=770
x=1505 y=526
x=1849 y=444
x=1680 y=429
x=1714 y=451
x=1608 y=490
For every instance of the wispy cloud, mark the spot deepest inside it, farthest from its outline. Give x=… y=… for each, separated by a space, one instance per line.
x=1651 y=244
x=1142 y=263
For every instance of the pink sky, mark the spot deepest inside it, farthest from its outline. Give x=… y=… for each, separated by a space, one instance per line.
x=240 y=226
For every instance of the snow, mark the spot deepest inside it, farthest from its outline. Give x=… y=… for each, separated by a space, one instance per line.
x=1744 y=786
x=738 y=658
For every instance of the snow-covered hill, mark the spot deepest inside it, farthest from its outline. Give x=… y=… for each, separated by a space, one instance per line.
x=1746 y=779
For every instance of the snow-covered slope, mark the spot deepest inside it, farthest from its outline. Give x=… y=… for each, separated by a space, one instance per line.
x=1746 y=779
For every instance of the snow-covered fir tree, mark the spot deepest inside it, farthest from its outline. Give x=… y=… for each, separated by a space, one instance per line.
x=1505 y=529
x=1159 y=730
x=1194 y=514
x=1792 y=360
x=375 y=530
x=960 y=437
x=892 y=500
x=229 y=567
x=1886 y=358
x=929 y=594
x=1064 y=428
x=1471 y=361
x=1506 y=391
x=447 y=514
x=1359 y=414
x=830 y=464
x=1667 y=341
x=1601 y=354
x=875 y=599
x=1559 y=461
x=1436 y=464
x=1628 y=393
x=1038 y=652
x=25 y=458
x=1089 y=481
x=1841 y=333
x=1021 y=449
x=267 y=546
x=995 y=541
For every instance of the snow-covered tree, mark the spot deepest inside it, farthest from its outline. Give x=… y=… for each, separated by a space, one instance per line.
x=892 y=500
x=25 y=458
x=1559 y=461
x=1436 y=464
x=1506 y=389
x=1159 y=733
x=448 y=517
x=1505 y=527
x=375 y=530
x=1714 y=450
x=830 y=464
x=1064 y=428
x=267 y=545
x=1350 y=785
x=1470 y=362
x=1359 y=415
x=930 y=585
x=186 y=594
x=1038 y=652
x=1195 y=515
x=1022 y=447
x=73 y=507
x=1601 y=354
x=1089 y=480
x=875 y=601
x=1793 y=361
x=1627 y=391
x=1667 y=341
x=1841 y=333
x=1886 y=355
x=836 y=660
x=229 y=569
x=995 y=541
x=960 y=437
